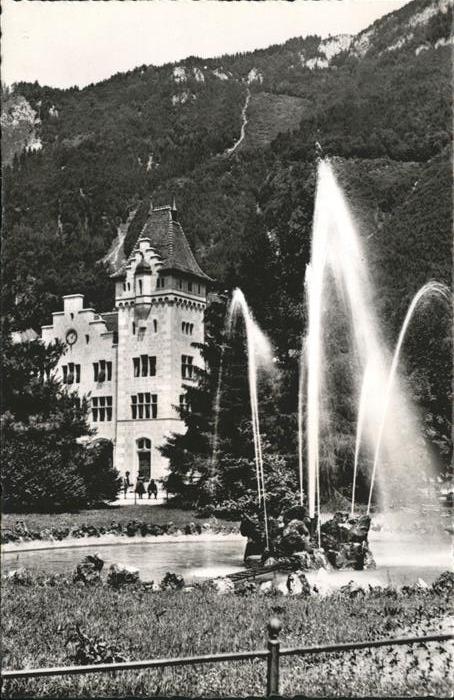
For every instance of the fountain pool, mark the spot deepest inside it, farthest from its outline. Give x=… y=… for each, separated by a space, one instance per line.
x=400 y=560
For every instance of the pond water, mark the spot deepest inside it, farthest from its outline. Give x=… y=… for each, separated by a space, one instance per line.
x=400 y=560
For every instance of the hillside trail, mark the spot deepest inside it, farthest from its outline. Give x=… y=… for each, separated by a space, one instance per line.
x=231 y=150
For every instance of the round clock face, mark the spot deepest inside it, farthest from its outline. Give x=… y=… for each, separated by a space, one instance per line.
x=71 y=337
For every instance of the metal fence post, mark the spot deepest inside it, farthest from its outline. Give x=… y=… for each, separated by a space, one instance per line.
x=272 y=680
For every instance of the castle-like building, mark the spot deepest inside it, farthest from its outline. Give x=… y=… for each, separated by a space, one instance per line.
x=133 y=362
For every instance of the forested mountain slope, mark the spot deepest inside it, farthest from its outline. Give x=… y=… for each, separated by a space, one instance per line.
x=78 y=162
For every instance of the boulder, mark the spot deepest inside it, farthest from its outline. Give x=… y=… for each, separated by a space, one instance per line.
x=21 y=529
x=89 y=570
x=292 y=542
x=320 y=560
x=305 y=560
x=190 y=529
x=297 y=584
x=266 y=588
x=298 y=526
x=120 y=575
x=132 y=528
x=172 y=582
x=368 y=560
x=281 y=588
x=223 y=585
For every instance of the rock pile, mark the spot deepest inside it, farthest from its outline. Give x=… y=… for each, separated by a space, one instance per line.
x=120 y=575
x=294 y=541
x=89 y=570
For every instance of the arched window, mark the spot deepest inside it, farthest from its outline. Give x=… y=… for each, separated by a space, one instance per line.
x=155 y=325
x=140 y=287
x=144 y=458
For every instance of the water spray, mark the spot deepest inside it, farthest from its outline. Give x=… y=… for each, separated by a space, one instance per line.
x=427 y=289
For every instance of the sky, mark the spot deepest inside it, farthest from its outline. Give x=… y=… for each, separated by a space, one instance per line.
x=68 y=43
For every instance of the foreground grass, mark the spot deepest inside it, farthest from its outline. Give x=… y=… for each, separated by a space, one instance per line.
x=141 y=624
x=102 y=517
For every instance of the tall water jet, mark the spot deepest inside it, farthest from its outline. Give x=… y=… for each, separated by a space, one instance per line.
x=431 y=288
x=217 y=409
x=359 y=431
x=302 y=370
x=339 y=267
x=258 y=353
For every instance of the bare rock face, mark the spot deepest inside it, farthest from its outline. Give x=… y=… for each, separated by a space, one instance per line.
x=120 y=575
x=89 y=570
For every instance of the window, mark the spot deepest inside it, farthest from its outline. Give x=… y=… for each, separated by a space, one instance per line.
x=144 y=366
x=144 y=458
x=87 y=339
x=184 y=404
x=187 y=328
x=124 y=286
x=180 y=284
x=115 y=338
x=161 y=283
x=155 y=325
x=140 y=286
x=189 y=286
x=133 y=328
x=199 y=288
x=102 y=371
x=72 y=316
x=187 y=368
x=71 y=373
x=144 y=405
x=101 y=408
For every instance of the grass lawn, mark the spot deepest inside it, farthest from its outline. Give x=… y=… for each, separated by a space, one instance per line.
x=142 y=624
x=102 y=517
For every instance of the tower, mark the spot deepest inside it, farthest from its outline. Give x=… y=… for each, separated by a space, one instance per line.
x=160 y=295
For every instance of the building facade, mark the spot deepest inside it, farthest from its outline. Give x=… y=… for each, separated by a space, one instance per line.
x=133 y=363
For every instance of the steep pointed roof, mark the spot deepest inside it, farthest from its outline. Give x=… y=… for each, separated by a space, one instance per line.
x=168 y=239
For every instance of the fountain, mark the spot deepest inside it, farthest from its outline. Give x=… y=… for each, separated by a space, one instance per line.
x=259 y=354
x=338 y=265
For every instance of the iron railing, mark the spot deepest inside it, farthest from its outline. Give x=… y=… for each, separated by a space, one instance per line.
x=271 y=655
